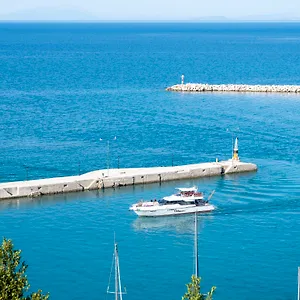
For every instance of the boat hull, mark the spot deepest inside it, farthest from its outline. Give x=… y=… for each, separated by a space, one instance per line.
x=168 y=211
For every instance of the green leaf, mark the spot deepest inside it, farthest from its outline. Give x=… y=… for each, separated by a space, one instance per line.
x=13 y=280
x=194 y=291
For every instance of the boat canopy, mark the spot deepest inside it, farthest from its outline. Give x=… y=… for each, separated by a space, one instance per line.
x=191 y=189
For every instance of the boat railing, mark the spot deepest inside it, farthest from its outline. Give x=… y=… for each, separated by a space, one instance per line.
x=190 y=194
x=199 y=194
x=147 y=203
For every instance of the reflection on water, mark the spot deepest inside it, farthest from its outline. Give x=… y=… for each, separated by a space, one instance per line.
x=29 y=202
x=179 y=224
x=52 y=199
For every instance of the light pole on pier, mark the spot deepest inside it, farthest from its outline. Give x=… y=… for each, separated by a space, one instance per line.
x=108 y=153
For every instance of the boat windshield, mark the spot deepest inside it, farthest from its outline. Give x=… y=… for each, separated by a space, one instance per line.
x=181 y=202
x=162 y=201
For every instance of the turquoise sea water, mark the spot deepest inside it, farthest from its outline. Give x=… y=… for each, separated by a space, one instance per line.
x=66 y=86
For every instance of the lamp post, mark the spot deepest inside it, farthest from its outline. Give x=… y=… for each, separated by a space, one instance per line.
x=108 y=153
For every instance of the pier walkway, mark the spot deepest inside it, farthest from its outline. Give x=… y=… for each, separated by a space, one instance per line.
x=241 y=88
x=101 y=179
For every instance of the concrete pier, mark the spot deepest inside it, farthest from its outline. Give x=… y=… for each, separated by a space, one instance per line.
x=241 y=88
x=119 y=177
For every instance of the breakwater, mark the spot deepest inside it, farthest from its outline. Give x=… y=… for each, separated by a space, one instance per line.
x=242 y=88
x=102 y=179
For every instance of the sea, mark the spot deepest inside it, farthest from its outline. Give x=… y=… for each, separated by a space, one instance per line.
x=77 y=97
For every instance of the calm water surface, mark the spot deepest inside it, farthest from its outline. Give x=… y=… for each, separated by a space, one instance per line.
x=64 y=87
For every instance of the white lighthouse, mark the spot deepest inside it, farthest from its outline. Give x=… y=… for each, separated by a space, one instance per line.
x=235 y=154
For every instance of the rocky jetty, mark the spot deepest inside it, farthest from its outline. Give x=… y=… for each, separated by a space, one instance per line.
x=241 y=88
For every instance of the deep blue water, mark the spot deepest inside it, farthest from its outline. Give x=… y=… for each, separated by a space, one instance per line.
x=65 y=86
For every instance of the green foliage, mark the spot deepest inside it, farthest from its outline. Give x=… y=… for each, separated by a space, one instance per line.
x=13 y=281
x=194 y=293
x=37 y=296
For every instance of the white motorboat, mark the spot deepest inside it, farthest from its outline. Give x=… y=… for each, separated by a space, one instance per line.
x=185 y=201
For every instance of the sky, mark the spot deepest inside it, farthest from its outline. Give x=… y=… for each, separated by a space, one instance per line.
x=152 y=10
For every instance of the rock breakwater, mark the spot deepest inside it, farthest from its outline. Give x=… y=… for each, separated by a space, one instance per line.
x=241 y=88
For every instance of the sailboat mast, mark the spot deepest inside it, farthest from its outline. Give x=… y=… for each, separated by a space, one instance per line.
x=116 y=266
x=116 y=273
x=196 y=246
x=119 y=280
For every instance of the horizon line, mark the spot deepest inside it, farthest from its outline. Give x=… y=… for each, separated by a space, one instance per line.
x=155 y=21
